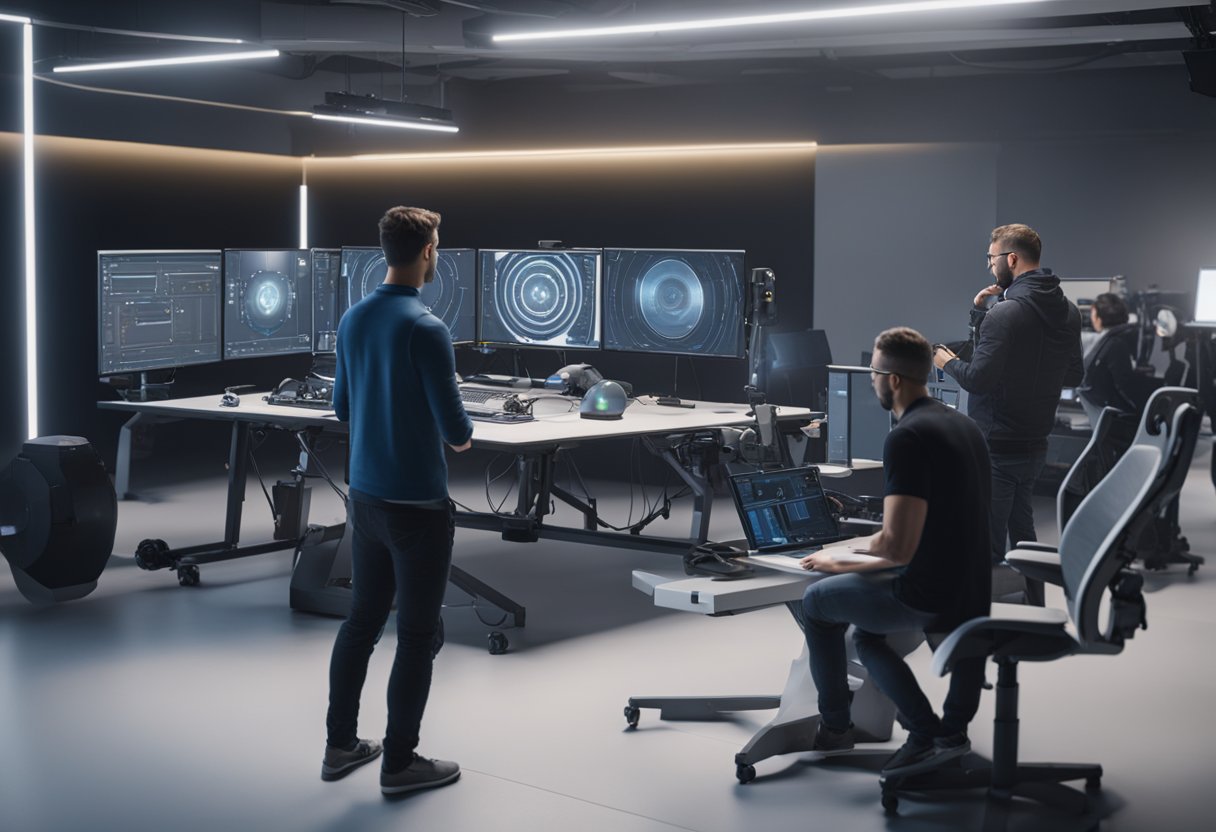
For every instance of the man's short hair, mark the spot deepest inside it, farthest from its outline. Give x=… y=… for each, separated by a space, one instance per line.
x=405 y=232
x=1111 y=309
x=906 y=352
x=1022 y=240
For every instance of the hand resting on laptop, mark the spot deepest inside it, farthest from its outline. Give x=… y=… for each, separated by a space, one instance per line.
x=845 y=556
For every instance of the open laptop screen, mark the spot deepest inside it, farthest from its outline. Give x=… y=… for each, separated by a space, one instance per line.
x=783 y=509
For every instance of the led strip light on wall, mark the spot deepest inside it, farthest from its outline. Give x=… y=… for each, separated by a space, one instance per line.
x=31 y=298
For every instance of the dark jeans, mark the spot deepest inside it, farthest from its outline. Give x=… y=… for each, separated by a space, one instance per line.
x=868 y=602
x=1011 y=515
x=407 y=552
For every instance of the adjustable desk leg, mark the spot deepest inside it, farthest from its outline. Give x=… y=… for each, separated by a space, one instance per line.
x=238 y=468
x=702 y=497
x=122 y=463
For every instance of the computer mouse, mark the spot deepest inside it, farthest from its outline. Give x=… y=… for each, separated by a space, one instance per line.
x=605 y=400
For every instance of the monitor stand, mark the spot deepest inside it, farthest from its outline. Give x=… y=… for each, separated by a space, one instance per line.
x=674 y=400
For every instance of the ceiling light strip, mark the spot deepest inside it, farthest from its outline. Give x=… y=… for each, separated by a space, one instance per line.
x=385 y=122
x=815 y=15
x=577 y=151
x=177 y=61
x=12 y=18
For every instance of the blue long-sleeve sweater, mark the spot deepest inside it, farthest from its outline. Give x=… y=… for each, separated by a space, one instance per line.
x=396 y=385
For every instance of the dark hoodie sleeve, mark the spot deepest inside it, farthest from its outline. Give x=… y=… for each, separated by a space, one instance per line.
x=987 y=365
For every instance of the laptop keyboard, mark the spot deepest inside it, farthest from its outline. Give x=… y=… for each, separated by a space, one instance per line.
x=473 y=395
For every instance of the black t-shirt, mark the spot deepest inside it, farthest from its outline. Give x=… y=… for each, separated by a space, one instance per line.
x=939 y=455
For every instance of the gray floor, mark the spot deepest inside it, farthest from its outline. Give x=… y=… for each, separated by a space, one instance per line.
x=150 y=707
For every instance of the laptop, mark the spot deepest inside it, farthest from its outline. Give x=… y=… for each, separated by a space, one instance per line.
x=784 y=514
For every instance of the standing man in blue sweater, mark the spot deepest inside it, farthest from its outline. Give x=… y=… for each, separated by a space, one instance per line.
x=396 y=386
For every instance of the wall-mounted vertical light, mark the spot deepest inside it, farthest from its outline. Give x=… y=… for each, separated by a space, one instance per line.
x=31 y=285
x=303 y=216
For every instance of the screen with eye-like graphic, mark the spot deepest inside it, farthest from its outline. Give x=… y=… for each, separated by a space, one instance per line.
x=680 y=302
x=451 y=295
x=267 y=302
x=541 y=298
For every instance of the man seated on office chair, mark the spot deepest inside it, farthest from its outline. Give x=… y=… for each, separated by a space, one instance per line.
x=932 y=571
x=1110 y=376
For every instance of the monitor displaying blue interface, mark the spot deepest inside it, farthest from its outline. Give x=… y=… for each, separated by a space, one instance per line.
x=268 y=302
x=326 y=278
x=671 y=301
x=157 y=309
x=451 y=295
x=540 y=298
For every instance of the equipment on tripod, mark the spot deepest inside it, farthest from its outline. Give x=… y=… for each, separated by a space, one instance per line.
x=58 y=514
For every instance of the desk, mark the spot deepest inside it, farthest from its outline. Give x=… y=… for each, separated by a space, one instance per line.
x=797 y=719
x=667 y=432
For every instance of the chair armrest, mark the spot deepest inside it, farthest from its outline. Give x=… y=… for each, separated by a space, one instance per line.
x=1035 y=546
x=1037 y=565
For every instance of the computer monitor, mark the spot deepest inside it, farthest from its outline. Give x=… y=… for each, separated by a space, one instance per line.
x=326 y=311
x=451 y=296
x=673 y=301
x=267 y=302
x=157 y=309
x=1205 y=298
x=857 y=423
x=540 y=298
x=1083 y=291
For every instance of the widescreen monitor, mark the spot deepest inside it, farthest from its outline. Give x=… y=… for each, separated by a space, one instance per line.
x=157 y=309
x=673 y=301
x=1205 y=298
x=267 y=302
x=326 y=312
x=451 y=295
x=540 y=298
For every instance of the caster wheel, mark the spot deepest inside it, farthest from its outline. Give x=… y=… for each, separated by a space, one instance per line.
x=890 y=803
x=1194 y=567
x=1093 y=784
x=745 y=773
x=152 y=554
x=187 y=575
x=632 y=715
x=498 y=643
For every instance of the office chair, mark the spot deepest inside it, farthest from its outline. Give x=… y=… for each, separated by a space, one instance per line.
x=1095 y=550
x=1159 y=542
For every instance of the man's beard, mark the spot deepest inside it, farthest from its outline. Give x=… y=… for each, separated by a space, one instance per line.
x=1004 y=275
x=886 y=396
x=430 y=273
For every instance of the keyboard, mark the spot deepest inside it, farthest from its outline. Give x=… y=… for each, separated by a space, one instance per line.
x=476 y=396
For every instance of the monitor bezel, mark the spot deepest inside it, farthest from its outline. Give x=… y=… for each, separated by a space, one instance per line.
x=224 y=324
x=599 y=300
x=742 y=354
x=101 y=373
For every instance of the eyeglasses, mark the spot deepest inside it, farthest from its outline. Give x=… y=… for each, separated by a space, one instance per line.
x=1002 y=254
x=879 y=372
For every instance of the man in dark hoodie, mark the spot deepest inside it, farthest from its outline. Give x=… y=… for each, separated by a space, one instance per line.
x=1110 y=376
x=1027 y=348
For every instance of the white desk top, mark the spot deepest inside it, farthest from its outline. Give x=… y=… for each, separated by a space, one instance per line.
x=568 y=429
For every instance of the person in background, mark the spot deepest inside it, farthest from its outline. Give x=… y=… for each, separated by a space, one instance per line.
x=1110 y=376
x=1027 y=349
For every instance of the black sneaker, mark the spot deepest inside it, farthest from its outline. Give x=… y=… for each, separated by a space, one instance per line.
x=422 y=773
x=918 y=755
x=339 y=763
x=829 y=741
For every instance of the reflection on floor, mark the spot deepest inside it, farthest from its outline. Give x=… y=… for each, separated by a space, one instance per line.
x=147 y=706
